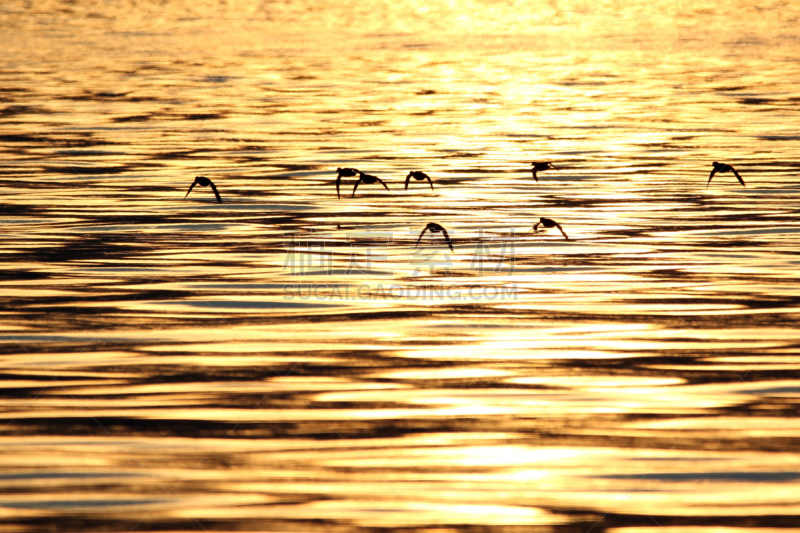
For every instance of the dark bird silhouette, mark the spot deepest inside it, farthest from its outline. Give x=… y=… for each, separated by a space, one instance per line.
x=369 y=179
x=550 y=223
x=541 y=167
x=436 y=228
x=203 y=182
x=345 y=173
x=722 y=168
x=419 y=176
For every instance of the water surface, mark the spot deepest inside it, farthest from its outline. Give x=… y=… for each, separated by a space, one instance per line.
x=291 y=361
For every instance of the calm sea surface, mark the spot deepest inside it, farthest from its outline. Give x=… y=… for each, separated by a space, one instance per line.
x=287 y=360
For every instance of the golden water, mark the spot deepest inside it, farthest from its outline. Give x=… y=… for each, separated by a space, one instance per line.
x=290 y=361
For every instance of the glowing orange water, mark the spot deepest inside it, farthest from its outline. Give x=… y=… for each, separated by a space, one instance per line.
x=290 y=361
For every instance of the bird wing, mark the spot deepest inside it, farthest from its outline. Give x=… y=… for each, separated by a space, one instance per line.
x=738 y=177
x=338 y=181
x=711 y=176
x=429 y=181
x=213 y=188
x=190 y=189
x=562 y=231
x=420 y=236
x=382 y=183
x=356 y=187
x=449 y=242
x=407 y=180
x=533 y=171
x=554 y=167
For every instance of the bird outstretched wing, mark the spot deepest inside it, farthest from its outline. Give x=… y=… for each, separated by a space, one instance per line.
x=447 y=237
x=420 y=236
x=429 y=181
x=711 y=176
x=338 y=181
x=354 y=188
x=190 y=189
x=213 y=188
x=408 y=178
x=382 y=183
x=561 y=230
x=533 y=171
x=738 y=177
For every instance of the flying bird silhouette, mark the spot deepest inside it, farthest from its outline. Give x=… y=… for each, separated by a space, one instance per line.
x=538 y=166
x=203 y=182
x=368 y=179
x=344 y=173
x=550 y=223
x=722 y=168
x=419 y=176
x=436 y=228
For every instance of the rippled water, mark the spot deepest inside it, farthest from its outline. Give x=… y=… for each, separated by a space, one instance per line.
x=291 y=361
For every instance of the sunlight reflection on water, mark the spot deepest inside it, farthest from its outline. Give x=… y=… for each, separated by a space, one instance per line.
x=289 y=360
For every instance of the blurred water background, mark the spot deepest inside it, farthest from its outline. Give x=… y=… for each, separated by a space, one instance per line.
x=290 y=361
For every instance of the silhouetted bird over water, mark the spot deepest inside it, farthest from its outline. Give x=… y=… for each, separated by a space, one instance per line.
x=436 y=228
x=550 y=223
x=419 y=176
x=541 y=167
x=203 y=182
x=345 y=173
x=369 y=179
x=722 y=168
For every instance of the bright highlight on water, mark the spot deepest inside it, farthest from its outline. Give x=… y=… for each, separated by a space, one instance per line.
x=610 y=348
